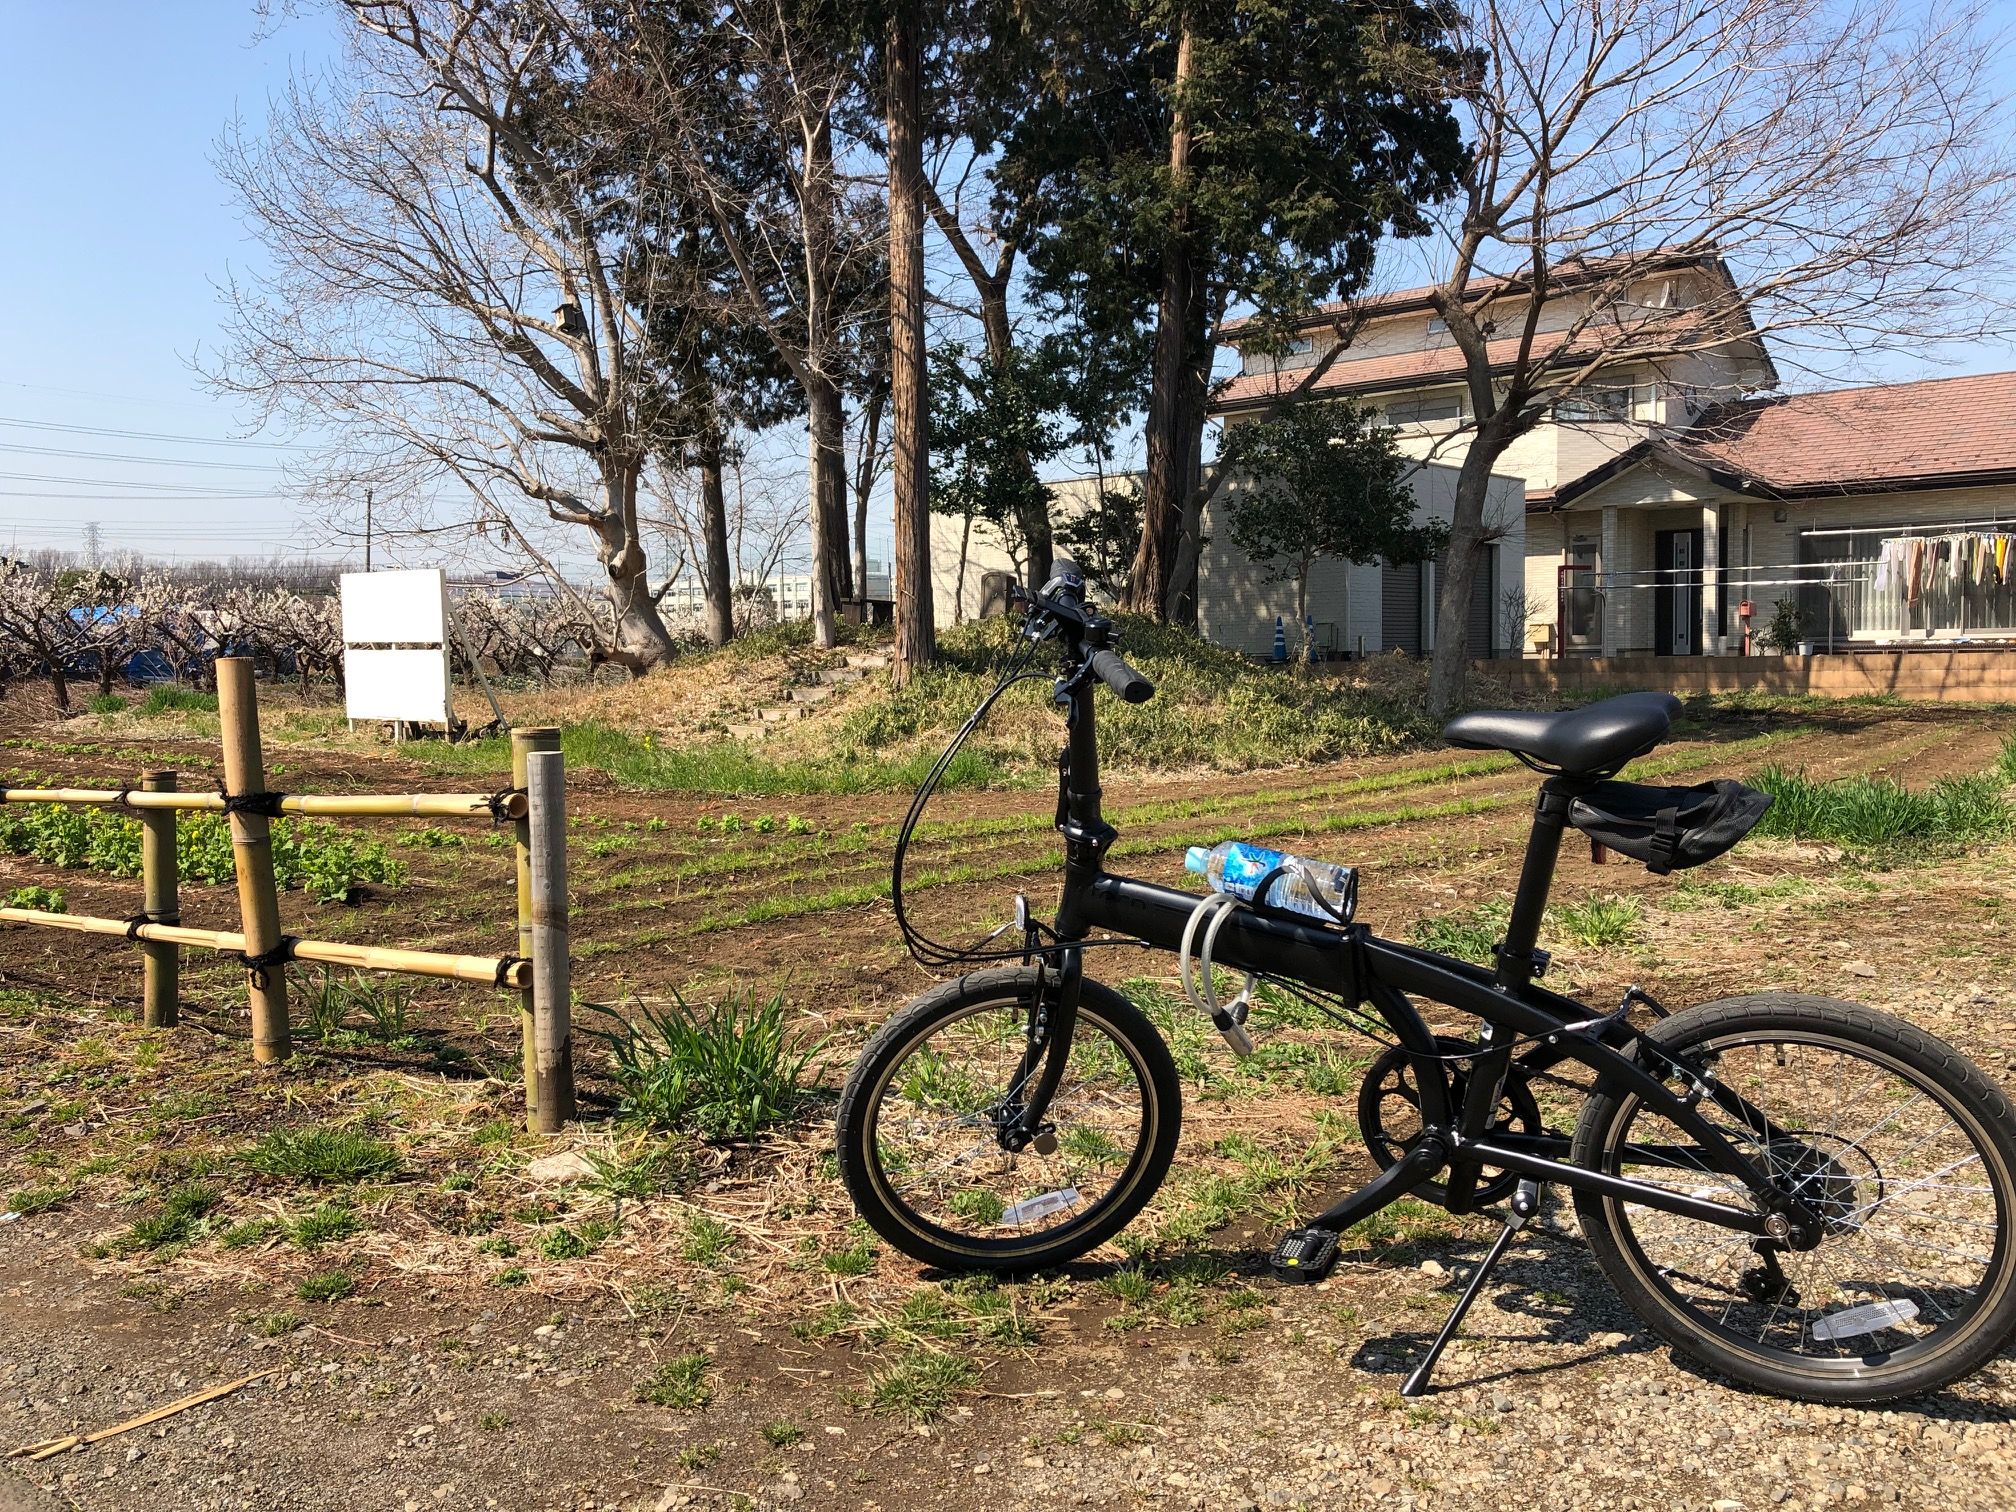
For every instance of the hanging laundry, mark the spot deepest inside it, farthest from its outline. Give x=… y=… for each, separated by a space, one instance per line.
x=1914 y=573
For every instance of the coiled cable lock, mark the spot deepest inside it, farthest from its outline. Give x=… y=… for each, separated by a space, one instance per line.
x=1229 y=1019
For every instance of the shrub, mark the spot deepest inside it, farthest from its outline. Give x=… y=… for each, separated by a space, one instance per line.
x=322 y=1156
x=46 y=899
x=728 y=1071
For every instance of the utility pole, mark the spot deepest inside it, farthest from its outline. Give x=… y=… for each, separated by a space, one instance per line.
x=367 y=530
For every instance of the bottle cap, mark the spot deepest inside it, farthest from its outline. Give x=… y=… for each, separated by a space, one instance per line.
x=1196 y=859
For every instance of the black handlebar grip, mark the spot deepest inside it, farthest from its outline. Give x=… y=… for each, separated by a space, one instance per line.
x=1108 y=667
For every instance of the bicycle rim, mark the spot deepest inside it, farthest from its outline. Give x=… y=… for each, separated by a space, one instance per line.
x=1912 y=1189
x=933 y=1151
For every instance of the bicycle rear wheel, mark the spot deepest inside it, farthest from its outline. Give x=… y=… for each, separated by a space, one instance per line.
x=1900 y=1144
x=919 y=1123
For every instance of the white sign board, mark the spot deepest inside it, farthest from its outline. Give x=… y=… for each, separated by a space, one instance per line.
x=395 y=645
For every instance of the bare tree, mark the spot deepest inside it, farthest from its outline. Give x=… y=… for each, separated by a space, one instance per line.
x=1838 y=170
x=916 y=638
x=447 y=292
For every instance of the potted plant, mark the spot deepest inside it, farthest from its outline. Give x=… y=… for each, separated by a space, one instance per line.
x=1791 y=629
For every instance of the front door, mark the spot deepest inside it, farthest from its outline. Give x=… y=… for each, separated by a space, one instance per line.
x=1677 y=611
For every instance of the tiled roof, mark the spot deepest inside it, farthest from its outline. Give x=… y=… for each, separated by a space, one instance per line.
x=1893 y=435
x=1369 y=374
x=1897 y=432
x=1568 y=274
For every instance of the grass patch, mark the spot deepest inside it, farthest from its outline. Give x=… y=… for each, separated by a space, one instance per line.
x=324 y=1157
x=1212 y=707
x=1596 y=922
x=1469 y=934
x=328 y=1223
x=920 y=1385
x=30 y=1201
x=329 y=1286
x=727 y=1071
x=680 y=1382
x=727 y=768
x=1879 y=813
x=177 y=701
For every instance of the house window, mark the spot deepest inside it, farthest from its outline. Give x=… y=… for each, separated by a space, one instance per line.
x=1425 y=409
x=1301 y=346
x=1620 y=401
x=1437 y=326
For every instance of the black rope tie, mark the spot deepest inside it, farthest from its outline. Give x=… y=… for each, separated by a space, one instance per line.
x=266 y=804
x=504 y=966
x=499 y=803
x=259 y=967
x=134 y=922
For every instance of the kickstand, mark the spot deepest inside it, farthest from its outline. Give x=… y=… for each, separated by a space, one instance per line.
x=1525 y=1203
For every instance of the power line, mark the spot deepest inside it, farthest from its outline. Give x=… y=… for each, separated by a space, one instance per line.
x=92 y=456
x=140 y=435
x=169 y=488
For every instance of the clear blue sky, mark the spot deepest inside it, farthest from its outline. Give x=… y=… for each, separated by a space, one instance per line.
x=115 y=226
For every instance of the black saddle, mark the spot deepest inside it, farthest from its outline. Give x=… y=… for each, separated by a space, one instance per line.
x=1597 y=738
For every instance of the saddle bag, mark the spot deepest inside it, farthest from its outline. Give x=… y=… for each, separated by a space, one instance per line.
x=1669 y=828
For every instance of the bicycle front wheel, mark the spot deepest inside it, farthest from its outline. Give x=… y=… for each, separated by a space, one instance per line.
x=919 y=1124
x=1904 y=1149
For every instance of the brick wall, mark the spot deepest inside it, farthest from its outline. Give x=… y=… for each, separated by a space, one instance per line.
x=1971 y=676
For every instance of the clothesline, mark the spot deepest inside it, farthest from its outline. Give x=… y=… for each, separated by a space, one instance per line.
x=1939 y=527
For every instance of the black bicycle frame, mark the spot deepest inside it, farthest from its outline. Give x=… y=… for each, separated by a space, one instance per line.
x=1354 y=964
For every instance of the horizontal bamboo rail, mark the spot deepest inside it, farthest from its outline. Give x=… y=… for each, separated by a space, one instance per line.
x=506 y=805
x=489 y=970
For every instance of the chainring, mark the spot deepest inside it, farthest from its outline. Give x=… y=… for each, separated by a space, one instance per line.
x=1389 y=1115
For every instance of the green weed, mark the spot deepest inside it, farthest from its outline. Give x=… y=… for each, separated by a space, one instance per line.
x=680 y=1382
x=920 y=1385
x=1596 y=922
x=1878 y=813
x=41 y=899
x=322 y=1156
x=727 y=1071
x=329 y=1286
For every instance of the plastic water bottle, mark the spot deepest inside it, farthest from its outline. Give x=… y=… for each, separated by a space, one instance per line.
x=1238 y=867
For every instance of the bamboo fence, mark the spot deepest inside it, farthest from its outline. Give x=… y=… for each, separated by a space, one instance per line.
x=535 y=804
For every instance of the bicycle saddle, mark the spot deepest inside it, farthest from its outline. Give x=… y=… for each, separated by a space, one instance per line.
x=1598 y=737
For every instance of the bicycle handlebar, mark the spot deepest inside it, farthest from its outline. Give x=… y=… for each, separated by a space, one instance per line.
x=1062 y=602
x=1111 y=669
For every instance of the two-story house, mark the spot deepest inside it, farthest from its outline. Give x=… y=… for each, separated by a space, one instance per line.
x=1663 y=499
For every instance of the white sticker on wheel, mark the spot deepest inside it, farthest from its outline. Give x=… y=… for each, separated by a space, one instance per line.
x=1029 y=1209
x=1869 y=1318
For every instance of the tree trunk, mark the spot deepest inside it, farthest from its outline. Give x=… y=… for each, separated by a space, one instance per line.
x=642 y=641
x=959 y=590
x=916 y=639
x=718 y=573
x=1302 y=611
x=822 y=403
x=59 y=685
x=1448 y=664
x=1181 y=596
x=864 y=486
x=1161 y=501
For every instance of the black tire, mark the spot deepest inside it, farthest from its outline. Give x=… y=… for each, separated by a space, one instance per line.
x=1863 y=1360
x=1101 y=1012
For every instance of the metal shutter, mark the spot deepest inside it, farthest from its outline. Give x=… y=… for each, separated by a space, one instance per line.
x=1400 y=607
x=1483 y=601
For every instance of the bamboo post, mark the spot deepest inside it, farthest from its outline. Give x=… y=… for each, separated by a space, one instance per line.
x=160 y=902
x=552 y=1030
x=523 y=744
x=252 y=852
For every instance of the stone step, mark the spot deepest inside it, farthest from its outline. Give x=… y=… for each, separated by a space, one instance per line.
x=868 y=660
x=838 y=676
x=778 y=713
x=815 y=694
x=749 y=731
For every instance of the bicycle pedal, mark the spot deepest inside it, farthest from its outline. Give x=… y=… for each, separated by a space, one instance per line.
x=1303 y=1256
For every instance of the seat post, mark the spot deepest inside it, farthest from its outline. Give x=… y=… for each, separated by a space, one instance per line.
x=1517 y=962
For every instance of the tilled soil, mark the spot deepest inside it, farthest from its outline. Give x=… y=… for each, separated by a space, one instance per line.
x=434 y=1388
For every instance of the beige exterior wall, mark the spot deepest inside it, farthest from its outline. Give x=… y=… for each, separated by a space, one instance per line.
x=1237 y=601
